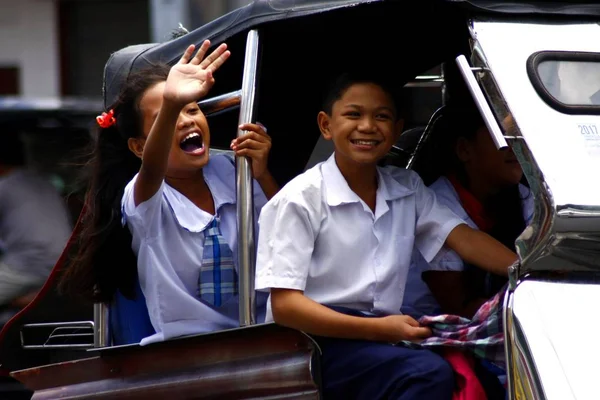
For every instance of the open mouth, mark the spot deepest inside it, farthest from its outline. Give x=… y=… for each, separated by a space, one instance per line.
x=366 y=143
x=192 y=144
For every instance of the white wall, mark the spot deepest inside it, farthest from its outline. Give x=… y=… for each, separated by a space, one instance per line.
x=29 y=40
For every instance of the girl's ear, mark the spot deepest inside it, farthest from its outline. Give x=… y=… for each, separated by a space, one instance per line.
x=136 y=146
x=463 y=149
x=323 y=122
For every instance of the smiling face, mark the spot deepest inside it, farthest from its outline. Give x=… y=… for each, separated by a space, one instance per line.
x=191 y=139
x=363 y=125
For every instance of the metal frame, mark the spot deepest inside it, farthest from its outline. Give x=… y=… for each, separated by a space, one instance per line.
x=244 y=186
x=484 y=108
x=101 y=325
x=220 y=103
x=58 y=333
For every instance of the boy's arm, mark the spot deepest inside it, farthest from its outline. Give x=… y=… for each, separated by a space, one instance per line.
x=480 y=249
x=292 y=309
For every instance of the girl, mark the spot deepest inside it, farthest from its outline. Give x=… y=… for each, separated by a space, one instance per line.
x=179 y=208
x=482 y=186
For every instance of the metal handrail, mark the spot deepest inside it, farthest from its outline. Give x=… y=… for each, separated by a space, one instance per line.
x=245 y=199
x=54 y=334
x=482 y=104
x=220 y=103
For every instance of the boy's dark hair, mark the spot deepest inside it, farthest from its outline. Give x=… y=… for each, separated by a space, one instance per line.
x=103 y=261
x=338 y=87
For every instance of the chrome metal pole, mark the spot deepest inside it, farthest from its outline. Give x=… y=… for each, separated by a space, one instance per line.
x=481 y=102
x=245 y=200
x=220 y=103
x=101 y=329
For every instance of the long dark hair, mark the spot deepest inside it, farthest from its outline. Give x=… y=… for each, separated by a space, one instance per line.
x=102 y=260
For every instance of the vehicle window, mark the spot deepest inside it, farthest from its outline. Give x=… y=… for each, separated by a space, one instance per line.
x=568 y=82
x=572 y=82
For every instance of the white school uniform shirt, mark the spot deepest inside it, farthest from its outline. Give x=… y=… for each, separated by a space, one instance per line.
x=168 y=237
x=418 y=299
x=318 y=236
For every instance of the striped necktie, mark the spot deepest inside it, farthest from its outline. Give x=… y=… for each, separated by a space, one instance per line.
x=217 y=282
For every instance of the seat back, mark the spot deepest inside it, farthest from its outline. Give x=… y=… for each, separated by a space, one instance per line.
x=424 y=160
x=129 y=319
x=404 y=149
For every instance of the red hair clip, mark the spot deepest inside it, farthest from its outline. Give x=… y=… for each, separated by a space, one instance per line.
x=106 y=119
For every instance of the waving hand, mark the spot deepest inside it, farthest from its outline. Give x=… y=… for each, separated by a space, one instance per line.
x=192 y=77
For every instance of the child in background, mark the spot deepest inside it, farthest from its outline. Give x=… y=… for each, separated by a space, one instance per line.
x=481 y=184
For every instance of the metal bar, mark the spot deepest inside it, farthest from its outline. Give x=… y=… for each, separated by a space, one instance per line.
x=424 y=84
x=68 y=335
x=220 y=103
x=76 y=324
x=57 y=346
x=68 y=329
x=245 y=200
x=101 y=331
x=482 y=104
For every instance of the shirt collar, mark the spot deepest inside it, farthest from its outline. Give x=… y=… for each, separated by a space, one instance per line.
x=338 y=192
x=221 y=182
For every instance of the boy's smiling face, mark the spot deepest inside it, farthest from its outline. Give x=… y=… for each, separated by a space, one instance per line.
x=363 y=124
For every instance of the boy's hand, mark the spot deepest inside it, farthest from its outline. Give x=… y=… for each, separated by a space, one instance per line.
x=255 y=145
x=396 y=328
x=192 y=77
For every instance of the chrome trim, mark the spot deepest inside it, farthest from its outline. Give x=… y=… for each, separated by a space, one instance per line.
x=507 y=324
x=533 y=243
x=568 y=158
x=480 y=101
x=245 y=200
x=58 y=333
x=576 y=211
x=426 y=81
x=220 y=103
x=101 y=325
x=552 y=358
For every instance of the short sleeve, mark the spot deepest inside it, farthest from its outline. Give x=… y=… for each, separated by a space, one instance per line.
x=145 y=218
x=527 y=203
x=260 y=199
x=445 y=260
x=285 y=244
x=434 y=221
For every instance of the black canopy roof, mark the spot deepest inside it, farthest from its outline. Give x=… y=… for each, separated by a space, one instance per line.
x=268 y=11
x=304 y=43
x=557 y=8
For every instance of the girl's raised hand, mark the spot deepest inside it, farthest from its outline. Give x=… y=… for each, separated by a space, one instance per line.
x=192 y=77
x=256 y=145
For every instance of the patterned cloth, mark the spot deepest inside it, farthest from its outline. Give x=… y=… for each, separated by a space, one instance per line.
x=483 y=336
x=217 y=281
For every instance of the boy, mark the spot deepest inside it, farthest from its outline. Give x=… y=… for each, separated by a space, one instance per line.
x=335 y=247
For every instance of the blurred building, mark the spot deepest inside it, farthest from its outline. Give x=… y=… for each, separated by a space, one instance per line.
x=59 y=47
